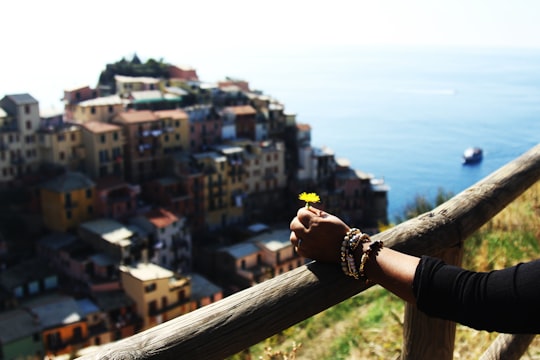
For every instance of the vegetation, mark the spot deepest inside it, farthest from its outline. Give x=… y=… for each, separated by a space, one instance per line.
x=151 y=68
x=370 y=325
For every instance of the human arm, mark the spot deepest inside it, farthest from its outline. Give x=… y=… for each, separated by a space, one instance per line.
x=322 y=235
x=506 y=300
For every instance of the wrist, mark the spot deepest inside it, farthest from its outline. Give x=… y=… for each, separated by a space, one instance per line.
x=356 y=252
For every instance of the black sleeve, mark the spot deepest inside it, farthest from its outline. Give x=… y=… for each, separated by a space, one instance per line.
x=505 y=301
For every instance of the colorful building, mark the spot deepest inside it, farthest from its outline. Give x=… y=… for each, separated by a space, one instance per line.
x=175 y=130
x=19 y=153
x=104 y=145
x=159 y=293
x=20 y=336
x=170 y=237
x=143 y=149
x=102 y=109
x=67 y=200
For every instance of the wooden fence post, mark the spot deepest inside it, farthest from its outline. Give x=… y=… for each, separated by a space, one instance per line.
x=508 y=347
x=425 y=337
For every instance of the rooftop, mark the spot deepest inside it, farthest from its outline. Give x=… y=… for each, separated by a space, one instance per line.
x=147 y=271
x=112 y=300
x=274 y=240
x=160 y=218
x=241 y=250
x=17 y=324
x=55 y=310
x=104 y=101
x=67 y=182
x=202 y=287
x=133 y=79
x=22 y=99
x=241 y=110
x=100 y=127
x=176 y=114
x=110 y=230
x=137 y=116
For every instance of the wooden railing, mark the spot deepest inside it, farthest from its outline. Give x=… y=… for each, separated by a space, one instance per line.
x=243 y=319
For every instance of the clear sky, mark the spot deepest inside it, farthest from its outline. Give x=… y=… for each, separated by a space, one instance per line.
x=43 y=39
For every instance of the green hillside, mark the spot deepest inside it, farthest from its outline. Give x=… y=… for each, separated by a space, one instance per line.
x=369 y=325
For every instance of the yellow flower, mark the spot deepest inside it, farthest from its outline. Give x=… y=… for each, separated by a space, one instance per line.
x=309 y=198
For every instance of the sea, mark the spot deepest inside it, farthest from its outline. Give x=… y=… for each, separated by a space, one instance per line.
x=402 y=114
x=406 y=115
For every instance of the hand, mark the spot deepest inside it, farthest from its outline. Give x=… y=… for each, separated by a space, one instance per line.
x=318 y=235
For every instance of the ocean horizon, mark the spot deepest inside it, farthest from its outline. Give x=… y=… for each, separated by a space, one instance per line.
x=407 y=115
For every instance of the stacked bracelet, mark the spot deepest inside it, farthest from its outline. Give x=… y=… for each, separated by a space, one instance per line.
x=351 y=240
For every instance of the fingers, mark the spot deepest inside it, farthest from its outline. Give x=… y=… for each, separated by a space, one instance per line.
x=306 y=215
x=297 y=243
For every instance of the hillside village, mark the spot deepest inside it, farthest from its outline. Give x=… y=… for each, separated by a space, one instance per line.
x=148 y=197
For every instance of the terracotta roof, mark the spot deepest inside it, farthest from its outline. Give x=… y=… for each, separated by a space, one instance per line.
x=303 y=127
x=174 y=114
x=137 y=116
x=241 y=110
x=160 y=217
x=100 y=127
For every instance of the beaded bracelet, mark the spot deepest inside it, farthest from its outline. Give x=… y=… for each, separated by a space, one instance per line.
x=351 y=240
x=373 y=248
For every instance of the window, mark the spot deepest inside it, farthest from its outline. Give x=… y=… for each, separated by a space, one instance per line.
x=77 y=333
x=103 y=156
x=90 y=209
x=181 y=295
x=115 y=135
x=88 y=193
x=102 y=138
x=68 y=214
x=92 y=110
x=111 y=109
x=152 y=307
x=150 y=287
x=28 y=125
x=27 y=109
x=62 y=155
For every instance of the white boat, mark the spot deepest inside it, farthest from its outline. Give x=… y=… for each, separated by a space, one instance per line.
x=472 y=155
